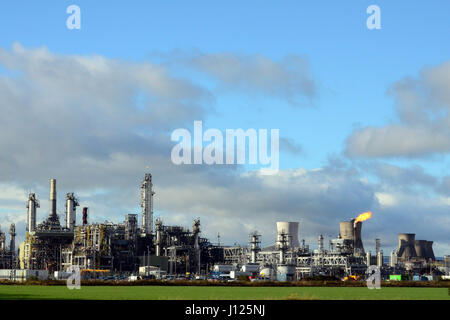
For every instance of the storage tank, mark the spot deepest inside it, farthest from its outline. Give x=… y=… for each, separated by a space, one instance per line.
x=406 y=245
x=291 y=229
x=266 y=273
x=285 y=273
x=250 y=268
x=223 y=268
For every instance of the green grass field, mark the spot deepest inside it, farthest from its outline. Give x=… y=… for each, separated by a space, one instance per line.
x=216 y=293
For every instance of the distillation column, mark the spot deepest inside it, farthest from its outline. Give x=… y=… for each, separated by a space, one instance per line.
x=71 y=210
x=158 y=224
x=283 y=246
x=254 y=246
x=147 y=204
x=196 y=231
x=33 y=203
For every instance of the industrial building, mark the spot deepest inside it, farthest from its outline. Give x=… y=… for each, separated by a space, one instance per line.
x=117 y=247
x=8 y=257
x=151 y=247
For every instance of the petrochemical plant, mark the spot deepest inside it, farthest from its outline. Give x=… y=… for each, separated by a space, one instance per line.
x=155 y=249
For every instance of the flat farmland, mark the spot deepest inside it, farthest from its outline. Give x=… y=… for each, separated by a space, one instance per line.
x=19 y=292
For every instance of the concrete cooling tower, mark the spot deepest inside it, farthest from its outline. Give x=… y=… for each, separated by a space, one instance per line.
x=351 y=231
x=291 y=229
x=424 y=249
x=406 y=246
x=430 y=253
x=421 y=248
x=346 y=230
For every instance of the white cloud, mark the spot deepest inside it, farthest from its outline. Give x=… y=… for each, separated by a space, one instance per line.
x=423 y=108
x=386 y=199
x=288 y=78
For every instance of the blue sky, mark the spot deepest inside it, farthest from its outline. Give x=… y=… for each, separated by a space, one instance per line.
x=353 y=68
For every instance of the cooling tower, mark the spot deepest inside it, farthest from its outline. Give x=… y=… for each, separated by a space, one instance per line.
x=406 y=242
x=429 y=251
x=358 y=241
x=421 y=248
x=351 y=231
x=291 y=228
x=346 y=230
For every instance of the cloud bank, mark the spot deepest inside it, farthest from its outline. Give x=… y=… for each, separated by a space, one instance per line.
x=423 y=126
x=98 y=124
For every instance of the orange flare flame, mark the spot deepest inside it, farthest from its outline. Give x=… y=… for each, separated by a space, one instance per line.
x=363 y=217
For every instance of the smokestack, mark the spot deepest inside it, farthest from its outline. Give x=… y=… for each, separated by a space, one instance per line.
x=53 y=199
x=147 y=204
x=368 y=258
x=158 y=241
x=85 y=216
x=12 y=233
x=406 y=249
x=2 y=240
x=380 y=259
x=33 y=203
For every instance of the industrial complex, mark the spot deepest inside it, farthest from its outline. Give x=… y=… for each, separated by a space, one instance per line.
x=143 y=247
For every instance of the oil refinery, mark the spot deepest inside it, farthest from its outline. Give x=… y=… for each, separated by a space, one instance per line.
x=152 y=248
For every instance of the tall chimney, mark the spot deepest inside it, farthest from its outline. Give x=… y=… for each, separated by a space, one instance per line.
x=53 y=199
x=158 y=243
x=12 y=243
x=85 y=216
